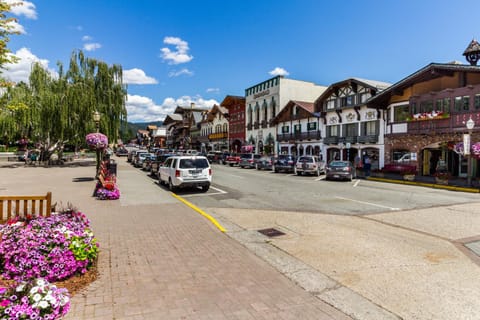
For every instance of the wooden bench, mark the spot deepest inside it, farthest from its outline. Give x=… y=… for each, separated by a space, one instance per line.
x=18 y=206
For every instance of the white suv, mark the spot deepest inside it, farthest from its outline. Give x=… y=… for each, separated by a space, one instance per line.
x=185 y=171
x=309 y=164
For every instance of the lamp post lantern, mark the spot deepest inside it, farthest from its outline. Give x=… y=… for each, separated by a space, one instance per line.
x=470 y=124
x=96 y=119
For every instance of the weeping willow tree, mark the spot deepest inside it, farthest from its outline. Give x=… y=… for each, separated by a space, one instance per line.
x=52 y=111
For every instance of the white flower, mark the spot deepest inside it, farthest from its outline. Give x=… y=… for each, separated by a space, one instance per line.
x=20 y=287
x=64 y=300
x=33 y=290
x=43 y=304
x=41 y=282
x=37 y=297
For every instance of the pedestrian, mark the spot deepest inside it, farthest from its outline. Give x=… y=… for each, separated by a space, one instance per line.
x=366 y=164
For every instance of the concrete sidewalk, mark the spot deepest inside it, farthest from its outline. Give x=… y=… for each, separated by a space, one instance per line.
x=159 y=259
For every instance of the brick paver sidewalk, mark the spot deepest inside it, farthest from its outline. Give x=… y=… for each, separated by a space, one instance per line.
x=160 y=259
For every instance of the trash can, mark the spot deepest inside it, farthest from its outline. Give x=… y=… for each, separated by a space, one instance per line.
x=112 y=167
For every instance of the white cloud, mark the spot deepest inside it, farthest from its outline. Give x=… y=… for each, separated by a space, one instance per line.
x=22 y=8
x=184 y=71
x=279 y=72
x=213 y=90
x=180 y=55
x=20 y=71
x=137 y=76
x=16 y=27
x=87 y=38
x=144 y=109
x=91 y=46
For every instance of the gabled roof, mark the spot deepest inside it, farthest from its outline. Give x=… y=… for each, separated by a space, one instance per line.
x=151 y=127
x=181 y=110
x=429 y=72
x=231 y=100
x=307 y=106
x=373 y=84
x=172 y=118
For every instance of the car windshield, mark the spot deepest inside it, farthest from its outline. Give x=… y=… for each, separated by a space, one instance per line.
x=200 y=163
x=246 y=156
x=338 y=164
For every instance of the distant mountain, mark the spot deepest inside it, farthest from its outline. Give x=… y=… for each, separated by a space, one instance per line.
x=142 y=125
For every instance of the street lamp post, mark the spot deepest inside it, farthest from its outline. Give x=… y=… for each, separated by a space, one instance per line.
x=96 y=119
x=466 y=147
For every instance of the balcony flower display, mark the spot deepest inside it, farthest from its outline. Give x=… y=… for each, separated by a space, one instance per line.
x=432 y=115
x=458 y=148
x=97 y=140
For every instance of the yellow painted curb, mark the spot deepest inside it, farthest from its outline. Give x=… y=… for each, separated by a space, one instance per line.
x=424 y=184
x=203 y=213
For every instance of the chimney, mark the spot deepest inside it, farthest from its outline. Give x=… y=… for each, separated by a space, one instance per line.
x=192 y=105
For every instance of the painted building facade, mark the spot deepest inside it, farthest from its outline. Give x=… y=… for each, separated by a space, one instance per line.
x=426 y=116
x=351 y=127
x=236 y=121
x=298 y=129
x=264 y=101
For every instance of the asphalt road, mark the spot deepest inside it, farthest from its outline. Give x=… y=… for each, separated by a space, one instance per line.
x=234 y=187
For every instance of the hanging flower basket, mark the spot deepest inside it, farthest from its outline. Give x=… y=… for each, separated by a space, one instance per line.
x=458 y=148
x=476 y=150
x=97 y=140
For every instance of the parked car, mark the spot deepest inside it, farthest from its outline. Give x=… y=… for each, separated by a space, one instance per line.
x=264 y=163
x=140 y=158
x=247 y=160
x=146 y=164
x=186 y=171
x=159 y=160
x=340 y=170
x=215 y=157
x=310 y=165
x=121 y=152
x=232 y=160
x=284 y=162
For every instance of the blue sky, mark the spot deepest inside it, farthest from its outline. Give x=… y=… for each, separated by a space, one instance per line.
x=177 y=52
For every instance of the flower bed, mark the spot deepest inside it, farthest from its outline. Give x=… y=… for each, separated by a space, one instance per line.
x=35 y=299
x=35 y=251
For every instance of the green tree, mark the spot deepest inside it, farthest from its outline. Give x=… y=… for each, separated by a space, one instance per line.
x=55 y=110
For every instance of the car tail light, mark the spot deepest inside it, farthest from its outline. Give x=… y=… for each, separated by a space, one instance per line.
x=177 y=173
x=250 y=161
x=210 y=172
x=346 y=169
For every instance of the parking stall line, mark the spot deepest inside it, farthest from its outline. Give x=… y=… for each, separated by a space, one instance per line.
x=369 y=203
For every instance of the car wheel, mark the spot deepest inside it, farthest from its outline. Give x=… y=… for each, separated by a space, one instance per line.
x=205 y=188
x=171 y=186
x=275 y=169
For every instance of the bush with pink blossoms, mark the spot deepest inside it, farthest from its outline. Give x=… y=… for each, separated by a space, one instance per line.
x=35 y=299
x=96 y=140
x=54 y=248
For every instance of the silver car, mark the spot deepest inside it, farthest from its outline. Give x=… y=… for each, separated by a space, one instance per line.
x=309 y=165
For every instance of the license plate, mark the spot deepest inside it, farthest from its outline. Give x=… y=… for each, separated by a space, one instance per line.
x=195 y=172
x=336 y=176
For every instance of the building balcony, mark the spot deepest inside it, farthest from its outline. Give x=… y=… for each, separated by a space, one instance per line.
x=256 y=125
x=352 y=139
x=373 y=138
x=264 y=124
x=249 y=126
x=330 y=140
